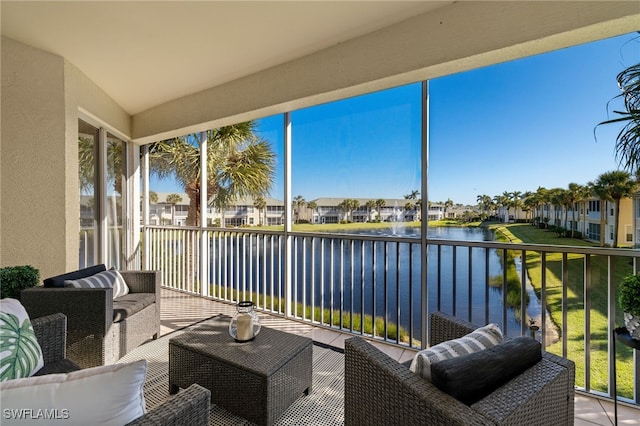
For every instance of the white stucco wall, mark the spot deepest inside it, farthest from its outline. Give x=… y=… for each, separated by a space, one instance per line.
x=39 y=195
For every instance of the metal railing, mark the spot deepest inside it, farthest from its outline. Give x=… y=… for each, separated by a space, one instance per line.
x=372 y=286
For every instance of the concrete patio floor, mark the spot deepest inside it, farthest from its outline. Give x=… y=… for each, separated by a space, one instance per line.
x=180 y=310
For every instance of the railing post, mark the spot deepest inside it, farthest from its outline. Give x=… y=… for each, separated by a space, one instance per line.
x=288 y=253
x=424 y=219
x=611 y=324
x=203 y=259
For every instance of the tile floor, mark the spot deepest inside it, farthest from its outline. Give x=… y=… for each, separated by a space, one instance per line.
x=180 y=310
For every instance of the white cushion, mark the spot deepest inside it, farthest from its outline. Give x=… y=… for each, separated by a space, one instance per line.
x=20 y=352
x=106 y=395
x=482 y=338
x=106 y=279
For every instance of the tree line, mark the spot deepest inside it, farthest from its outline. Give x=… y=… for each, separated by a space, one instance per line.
x=610 y=186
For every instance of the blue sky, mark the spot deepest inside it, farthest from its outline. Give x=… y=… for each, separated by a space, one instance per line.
x=508 y=127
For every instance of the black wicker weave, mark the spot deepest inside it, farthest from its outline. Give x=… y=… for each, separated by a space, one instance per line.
x=92 y=337
x=257 y=380
x=190 y=407
x=381 y=391
x=51 y=332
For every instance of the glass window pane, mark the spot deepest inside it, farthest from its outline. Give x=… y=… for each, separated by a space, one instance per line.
x=358 y=161
x=116 y=187
x=87 y=143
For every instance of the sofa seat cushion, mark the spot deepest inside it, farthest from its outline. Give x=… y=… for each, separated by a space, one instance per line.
x=482 y=338
x=130 y=304
x=471 y=377
x=58 y=280
x=61 y=366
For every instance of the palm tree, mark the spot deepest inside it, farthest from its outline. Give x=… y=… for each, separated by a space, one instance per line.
x=574 y=194
x=312 y=205
x=153 y=197
x=554 y=197
x=380 y=203
x=173 y=199
x=628 y=139
x=502 y=201
x=516 y=202
x=614 y=186
x=486 y=203
x=370 y=205
x=298 y=202
x=542 y=197
x=348 y=205
x=561 y=199
x=528 y=203
x=447 y=204
x=239 y=164
x=261 y=204
x=413 y=195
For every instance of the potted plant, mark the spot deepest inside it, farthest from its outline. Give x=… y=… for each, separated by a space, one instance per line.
x=629 y=299
x=13 y=279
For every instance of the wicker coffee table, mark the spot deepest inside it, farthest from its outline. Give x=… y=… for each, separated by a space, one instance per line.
x=257 y=380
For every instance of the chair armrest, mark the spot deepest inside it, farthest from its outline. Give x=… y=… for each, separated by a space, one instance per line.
x=142 y=281
x=379 y=390
x=88 y=310
x=443 y=327
x=189 y=407
x=51 y=332
x=544 y=392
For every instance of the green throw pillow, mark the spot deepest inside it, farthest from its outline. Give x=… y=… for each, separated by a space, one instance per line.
x=20 y=352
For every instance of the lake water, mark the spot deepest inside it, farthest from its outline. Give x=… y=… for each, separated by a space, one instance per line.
x=361 y=276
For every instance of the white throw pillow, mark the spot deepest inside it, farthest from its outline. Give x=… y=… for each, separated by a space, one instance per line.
x=105 y=279
x=20 y=352
x=482 y=338
x=105 y=395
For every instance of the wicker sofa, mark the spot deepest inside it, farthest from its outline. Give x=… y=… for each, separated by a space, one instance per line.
x=189 y=407
x=379 y=390
x=100 y=329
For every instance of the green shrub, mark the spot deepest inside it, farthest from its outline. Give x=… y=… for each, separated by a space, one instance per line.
x=15 y=278
x=629 y=294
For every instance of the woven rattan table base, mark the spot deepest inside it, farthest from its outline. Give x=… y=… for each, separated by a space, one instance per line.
x=257 y=380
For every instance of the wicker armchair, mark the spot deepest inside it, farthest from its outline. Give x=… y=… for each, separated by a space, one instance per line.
x=189 y=407
x=93 y=338
x=379 y=390
x=51 y=332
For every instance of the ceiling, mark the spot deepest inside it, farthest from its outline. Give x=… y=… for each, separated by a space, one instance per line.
x=146 y=53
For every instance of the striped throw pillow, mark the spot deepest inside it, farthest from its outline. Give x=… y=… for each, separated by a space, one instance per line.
x=482 y=338
x=106 y=279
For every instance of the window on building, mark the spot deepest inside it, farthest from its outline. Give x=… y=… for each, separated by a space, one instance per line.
x=593 y=231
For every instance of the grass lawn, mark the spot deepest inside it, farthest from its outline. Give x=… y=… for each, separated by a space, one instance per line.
x=598 y=349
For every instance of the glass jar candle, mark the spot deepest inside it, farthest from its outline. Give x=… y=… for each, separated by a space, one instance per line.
x=245 y=324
